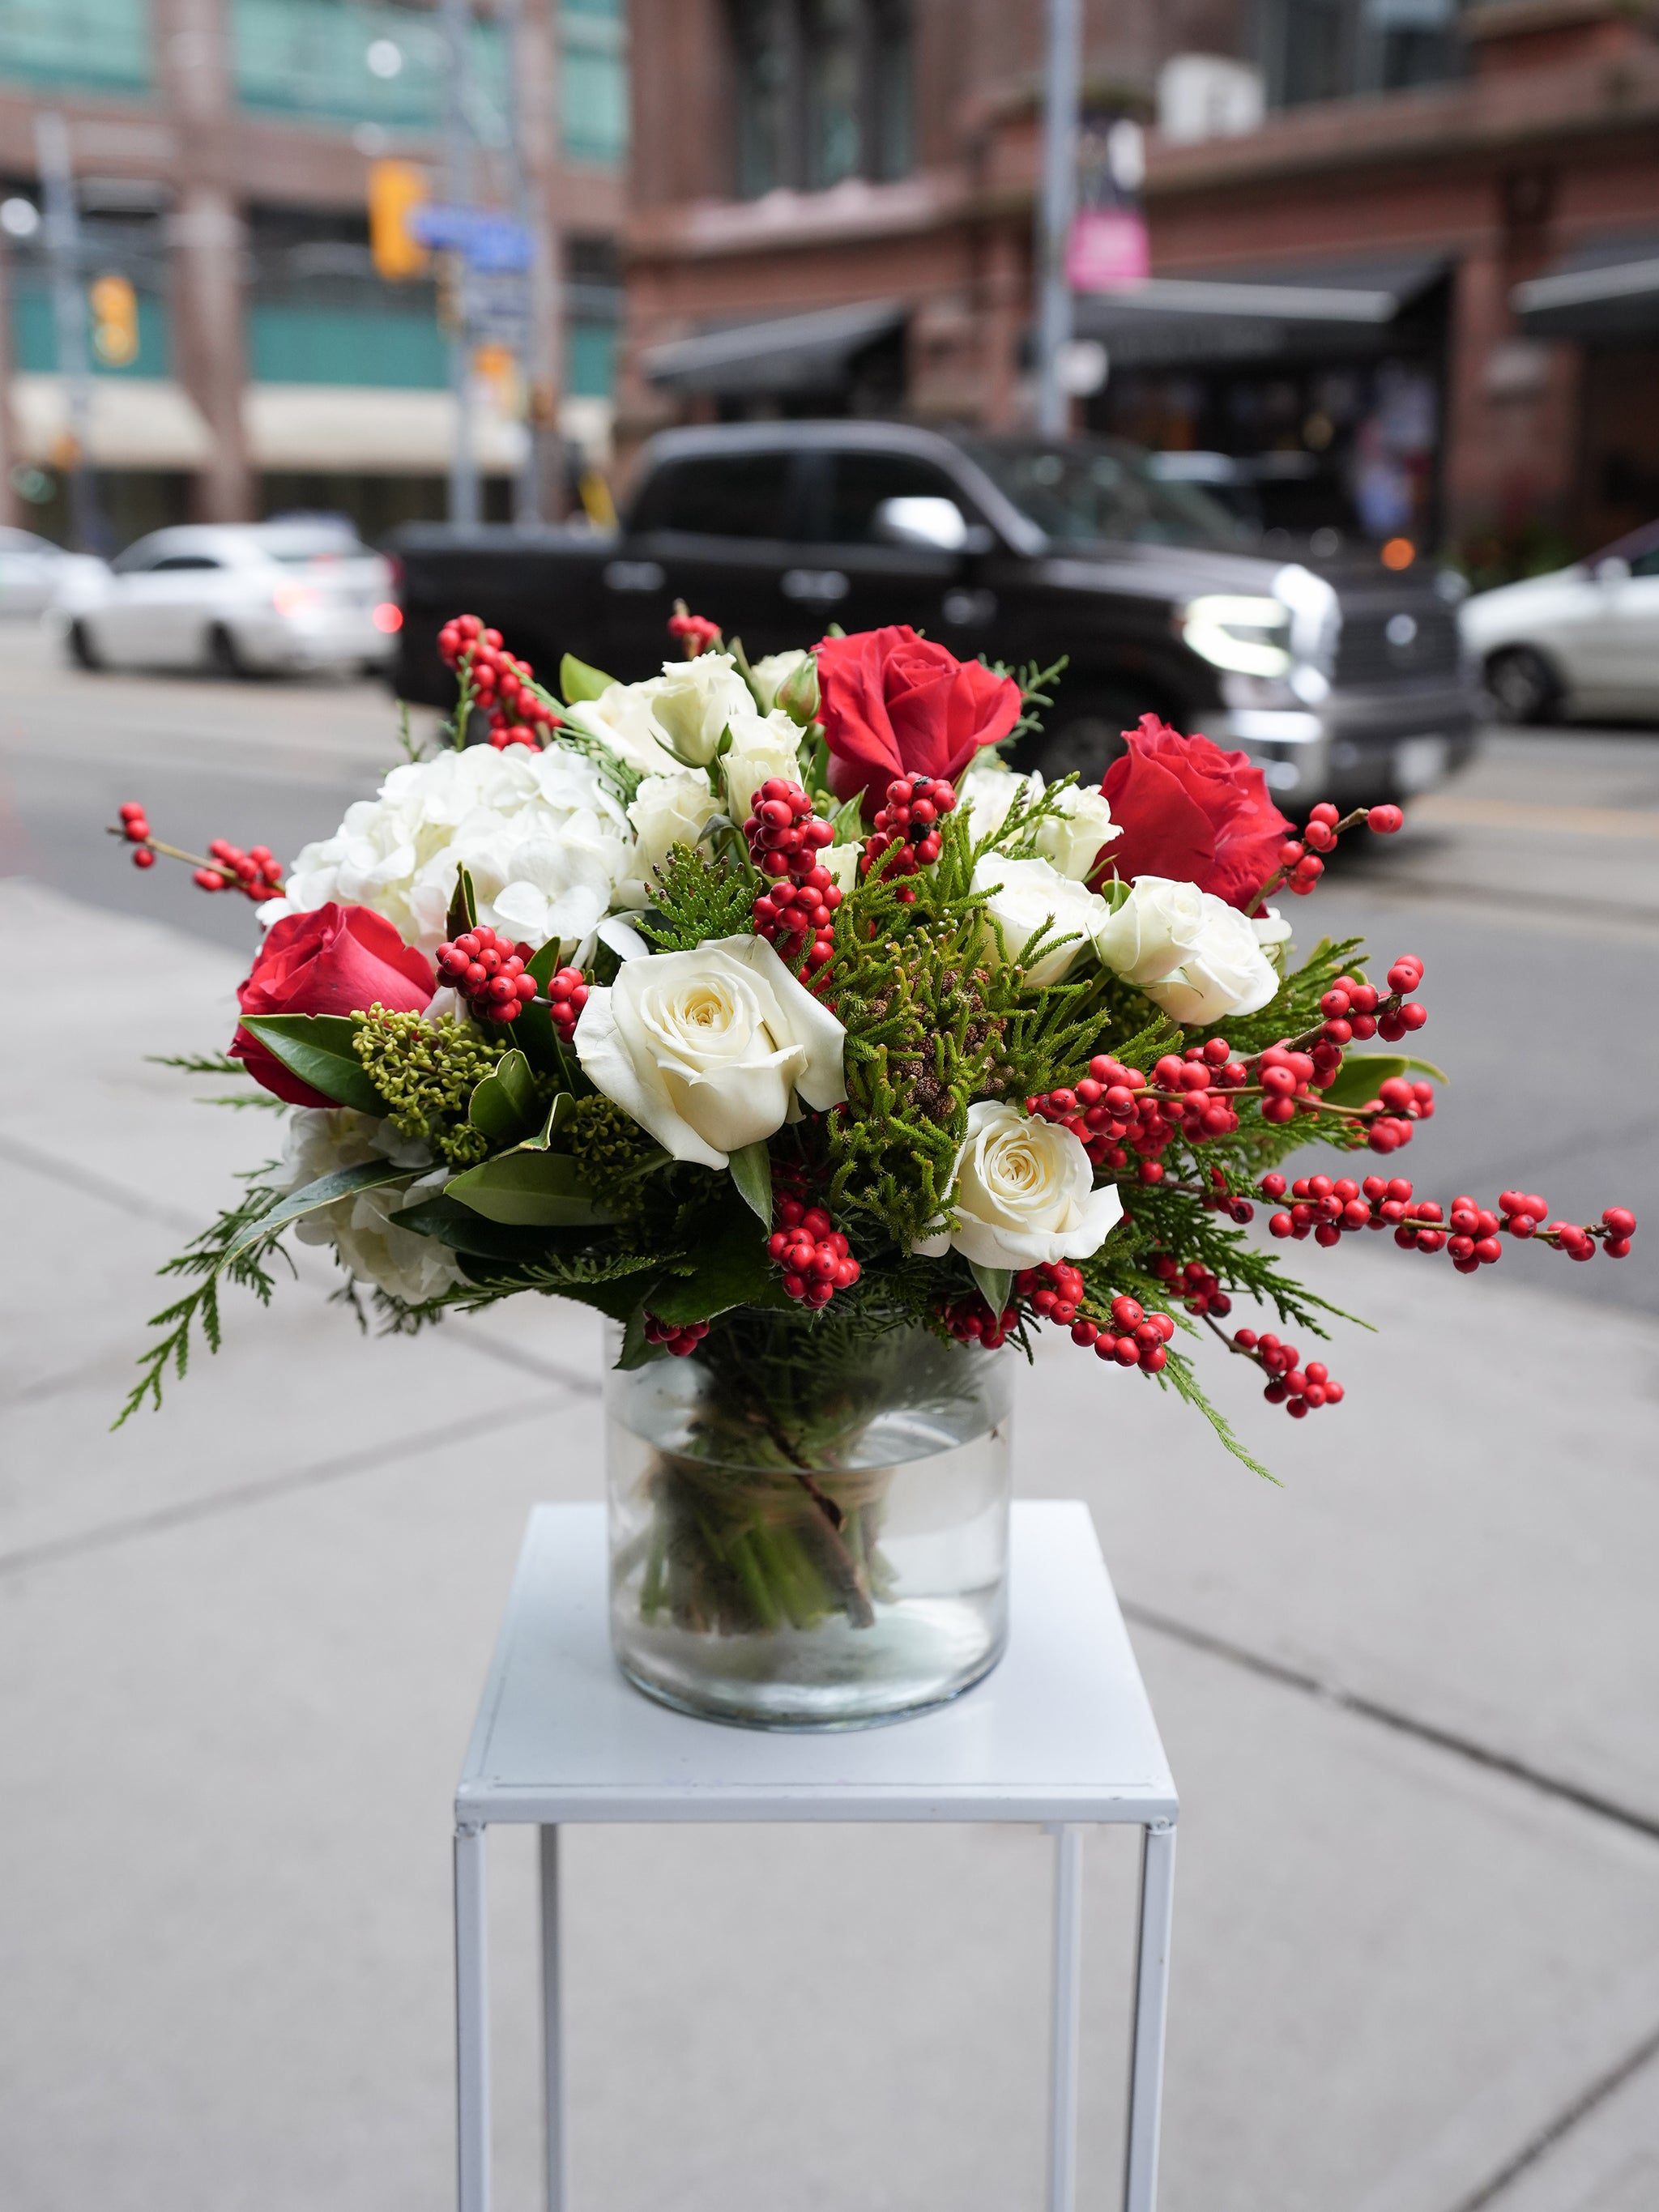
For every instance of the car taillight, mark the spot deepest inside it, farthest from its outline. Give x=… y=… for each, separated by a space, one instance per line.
x=388 y=617
x=295 y=598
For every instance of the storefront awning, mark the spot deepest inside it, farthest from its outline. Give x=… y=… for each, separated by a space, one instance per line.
x=1350 y=307
x=367 y=429
x=1606 y=288
x=785 y=354
x=135 y=422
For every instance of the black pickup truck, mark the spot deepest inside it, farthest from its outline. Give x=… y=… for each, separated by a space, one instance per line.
x=1344 y=683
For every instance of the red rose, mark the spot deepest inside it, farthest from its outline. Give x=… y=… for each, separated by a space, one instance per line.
x=338 y=960
x=1193 y=813
x=893 y=705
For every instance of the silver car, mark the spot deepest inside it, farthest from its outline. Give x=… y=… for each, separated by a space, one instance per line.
x=239 y=598
x=31 y=569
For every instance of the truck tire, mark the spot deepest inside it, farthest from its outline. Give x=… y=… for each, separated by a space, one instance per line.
x=1523 y=685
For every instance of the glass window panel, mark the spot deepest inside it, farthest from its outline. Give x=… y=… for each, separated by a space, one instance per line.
x=762 y=30
x=103 y=44
x=591 y=366
x=859 y=482
x=731 y=495
x=833 y=73
x=593 y=81
x=310 y=58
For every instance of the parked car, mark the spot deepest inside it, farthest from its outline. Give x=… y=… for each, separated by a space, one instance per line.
x=1583 y=641
x=239 y=598
x=1344 y=684
x=30 y=570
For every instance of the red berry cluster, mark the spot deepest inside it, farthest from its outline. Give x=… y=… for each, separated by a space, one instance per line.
x=679 y=1338
x=1198 y=1289
x=1115 y=1112
x=488 y=972
x=816 y=1259
x=1054 y=1291
x=971 y=1321
x=227 y=867
x=1300 y=866
x=905 y=836
x=1286 y=1075
x=696 y=632
x=1299 y=1390
x=1326 y=1209
x=1352 y=1009
x=800 y=897
x=500 y=685
x=1133 y=1338
x=566 y=994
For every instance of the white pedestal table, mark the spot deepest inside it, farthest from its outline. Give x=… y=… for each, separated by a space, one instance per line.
x=1059 y=1733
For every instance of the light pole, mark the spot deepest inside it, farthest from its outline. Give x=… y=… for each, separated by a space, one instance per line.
x=1057 y=207
x=68 y=307
x=457 y=18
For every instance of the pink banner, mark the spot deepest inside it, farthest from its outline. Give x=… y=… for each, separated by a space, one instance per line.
x=1107 y=250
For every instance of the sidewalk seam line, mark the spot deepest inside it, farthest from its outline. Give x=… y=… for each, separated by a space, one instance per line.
x=166 y=1518
x=1389 y=1716
x=1537 y=2146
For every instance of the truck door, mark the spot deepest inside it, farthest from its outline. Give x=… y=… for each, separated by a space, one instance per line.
x=718 y=530
x=877 y=568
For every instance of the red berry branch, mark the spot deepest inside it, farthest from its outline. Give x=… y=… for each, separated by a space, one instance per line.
x=785 y=839
x=521 y=712
x=681 y=1338
x=1299 y=862
x=1326 y=1209
x=1300 y=1390
x=817 y=1260
x=223 y=867
x=489 y=971
x=905 y=834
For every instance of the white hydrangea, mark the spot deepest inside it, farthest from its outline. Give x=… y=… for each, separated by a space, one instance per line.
x=362 y=1228
x=545 y=840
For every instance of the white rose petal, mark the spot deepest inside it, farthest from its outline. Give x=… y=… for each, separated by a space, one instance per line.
x=1190 y=952
x=1023 y=895
x=1273 y=935
x=1024 y=1193
x=1073 y=841
x=694 y=700
x=842 y=863
x=621 y=717
x=762 y=747
x=772 y=671
x=667 y=811
x=708 y=1049
x=987 y=792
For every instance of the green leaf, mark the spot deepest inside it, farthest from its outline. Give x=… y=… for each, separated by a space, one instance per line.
x=342 y=1183
x=503 y=1105
x=529 y=1190
x=461 y=1230
x=318 y=1049
x=848 y=823
x=636 y=1351
x=463 y=906
x=558 y=1114
x=578 y=681
x=1362 y=1073
x=730 y=1267
x=751 y=1171
x=994 y=1284
x=545 y=965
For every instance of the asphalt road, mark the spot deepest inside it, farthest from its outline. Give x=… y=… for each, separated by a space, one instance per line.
x=1530 y=887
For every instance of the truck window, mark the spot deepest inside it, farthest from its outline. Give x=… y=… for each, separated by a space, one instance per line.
x=719 y=495
x=859 y=482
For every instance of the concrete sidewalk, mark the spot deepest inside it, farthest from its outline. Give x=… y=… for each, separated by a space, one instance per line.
x=1409 y=1696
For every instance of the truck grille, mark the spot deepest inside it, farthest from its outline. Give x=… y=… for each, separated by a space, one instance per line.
x=1368 y=656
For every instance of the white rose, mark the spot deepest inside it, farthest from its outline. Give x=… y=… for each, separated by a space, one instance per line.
x=1073 y=841
x=1190 y=952
x=694 y=700
x=762 y=746
x=772 y=671
x=363 y=1227
x=987 y=792
x=1273 y=935
x=842 y=864
x=667 y=811
x=1024 y=1193
x=621 y=717
x=707 y=1050
x=1023 y=895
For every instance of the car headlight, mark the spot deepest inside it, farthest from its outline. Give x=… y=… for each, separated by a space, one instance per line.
x=1250 y=634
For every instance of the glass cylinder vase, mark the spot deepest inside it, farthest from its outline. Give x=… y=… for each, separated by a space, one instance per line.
x=808 y=1532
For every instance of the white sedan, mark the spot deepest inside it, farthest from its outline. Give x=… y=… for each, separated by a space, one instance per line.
x=1584 y=642
x=241 y=598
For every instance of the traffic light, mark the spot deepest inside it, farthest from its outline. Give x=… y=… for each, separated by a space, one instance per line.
x=114 y=321
x=396 y=189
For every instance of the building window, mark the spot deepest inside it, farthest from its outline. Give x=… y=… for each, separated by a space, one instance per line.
x=823 y=92
x=592 y=308
x=344 y=61
x=1335 y=49
x=593 y=81
x=94 y=45
x=318 y=313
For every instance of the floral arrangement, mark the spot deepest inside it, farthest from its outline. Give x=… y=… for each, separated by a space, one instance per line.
x=767 y=1011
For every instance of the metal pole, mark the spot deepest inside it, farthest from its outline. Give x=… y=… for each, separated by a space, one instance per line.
x=558 y=2155
x=1151 y=2014
x=457 y=18
x=527 y=80
x=69 y=305
x=1058 y=205
x=1063 y=2034
x=472 y=2024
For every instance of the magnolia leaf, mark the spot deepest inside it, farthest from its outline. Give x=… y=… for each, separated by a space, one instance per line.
x=543 y=965
x=729 y=1267
x=751 y=1171
x=1363 y=1073
x=558 y=1114
x=503 y=1105
x=848 y=823
x=994 y=1284
x=463 y=906
x=342 y=1183
x=318 y=1049
x=578 y=681
x=529 y=1190
x=462 y=1230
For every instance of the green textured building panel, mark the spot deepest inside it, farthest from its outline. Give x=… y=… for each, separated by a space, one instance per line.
x=95 y=45
x=335 y=345
x=590 y=361
x=338 y=62
x=35 y=335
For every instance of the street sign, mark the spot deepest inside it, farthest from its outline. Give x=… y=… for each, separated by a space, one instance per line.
x=487 y=240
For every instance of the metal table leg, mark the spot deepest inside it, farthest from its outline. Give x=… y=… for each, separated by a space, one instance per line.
x=1152 y=2010
x=558 y=2165
x=472 y=2024
x=1063 y=2049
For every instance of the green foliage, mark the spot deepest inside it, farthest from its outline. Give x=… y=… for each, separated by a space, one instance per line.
x=319 y=1048
x=233 y=1247
x=612 y=1152
x=698 y=897
x=1177 y=1376
x=528 y=1188
x=427 y=1073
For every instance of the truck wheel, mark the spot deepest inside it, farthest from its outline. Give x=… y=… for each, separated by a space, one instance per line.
x=82 y=651
x=1085 y=734
x=1523 y=685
